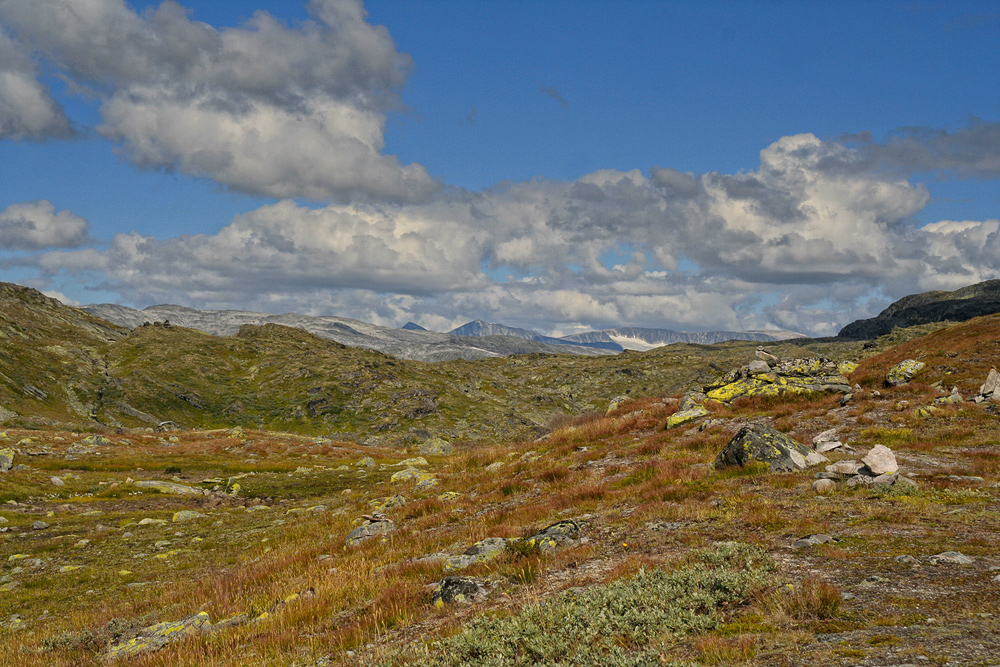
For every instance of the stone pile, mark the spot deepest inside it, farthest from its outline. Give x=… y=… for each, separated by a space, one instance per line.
x=877 y=469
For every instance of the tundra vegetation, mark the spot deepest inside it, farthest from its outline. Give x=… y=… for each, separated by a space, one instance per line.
x=223 y=539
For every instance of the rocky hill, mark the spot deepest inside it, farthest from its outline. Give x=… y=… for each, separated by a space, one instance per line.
x=958 y=306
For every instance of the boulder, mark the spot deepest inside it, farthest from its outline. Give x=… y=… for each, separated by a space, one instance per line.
x=903 y=372
x=616 y=403
x=6 y=459
x=456 y=589
x=758 y=442
x=951 y=558
x=436 y=447
x=157 y=636
x=186 y=515
x=369 y=529
x=824 y=486
x=480 y=552
x=880 y=460
x=812 y=540
x=55 y=481
x=559 y=534
x=387 y=502
x=989 y=389
x=97 y=441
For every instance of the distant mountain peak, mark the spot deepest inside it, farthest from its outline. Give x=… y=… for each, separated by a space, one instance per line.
x=413 y=326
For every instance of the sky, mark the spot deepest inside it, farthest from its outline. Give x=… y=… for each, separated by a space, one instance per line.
x=561 y=166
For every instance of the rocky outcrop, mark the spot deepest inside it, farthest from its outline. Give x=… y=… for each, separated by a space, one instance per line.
x=990 y=389
x=877 y=469
x=758 y=442
x=789 y=376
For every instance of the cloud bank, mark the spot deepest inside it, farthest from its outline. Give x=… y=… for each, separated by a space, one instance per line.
x=798 y=243
x=27 y=110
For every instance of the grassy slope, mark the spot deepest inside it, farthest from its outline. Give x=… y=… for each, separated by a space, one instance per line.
x=646 y=498
x=51 y=365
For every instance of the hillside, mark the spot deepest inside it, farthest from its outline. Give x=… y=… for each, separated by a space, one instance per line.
x=233 y=547
x=275 y=377
x=958 y=306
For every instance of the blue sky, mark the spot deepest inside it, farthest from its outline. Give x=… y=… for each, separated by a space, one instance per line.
x=552 y=165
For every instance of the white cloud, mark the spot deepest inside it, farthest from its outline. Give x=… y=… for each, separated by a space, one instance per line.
x=27 y=110
x=264 y=108
x=37 y=225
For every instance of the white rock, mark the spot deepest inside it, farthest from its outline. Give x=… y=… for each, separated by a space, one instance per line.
x=880 y=460
x=824 y=486
x=57 y=482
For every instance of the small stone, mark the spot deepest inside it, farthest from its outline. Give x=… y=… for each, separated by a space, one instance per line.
x=907 y=559
x=824 y=486
x=39 y=525
x=56 y=481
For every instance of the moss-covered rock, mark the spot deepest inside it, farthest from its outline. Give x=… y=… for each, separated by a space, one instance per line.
x=789 y=376
x=157 y=636
x=685 y=416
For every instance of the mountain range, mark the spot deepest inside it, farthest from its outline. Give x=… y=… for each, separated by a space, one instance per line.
x=474 y=340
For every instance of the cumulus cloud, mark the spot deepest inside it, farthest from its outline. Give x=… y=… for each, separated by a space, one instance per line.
x=27 y=110
x=37 y=225
x=264 y=108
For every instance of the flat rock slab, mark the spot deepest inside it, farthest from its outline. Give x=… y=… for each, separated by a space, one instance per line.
x=171 y=488
x=951 y=558
x=479 y=552
x=157 y=636
x=758 y=442
x=812 y=540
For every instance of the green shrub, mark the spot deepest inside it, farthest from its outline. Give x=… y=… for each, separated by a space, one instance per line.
x=614 y=624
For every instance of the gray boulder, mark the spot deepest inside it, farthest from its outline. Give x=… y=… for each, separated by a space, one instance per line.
x=479 y=552
x=157 y=636
x=456 y=589
x=371 y=528
x=758 y=442
x=561 y=533
x=436 y=447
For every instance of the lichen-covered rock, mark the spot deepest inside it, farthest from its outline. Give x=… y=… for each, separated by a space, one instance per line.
x=758 y=442
x=790 y=376
x=449 y=496
x=237 y=432
x=411 y=474
x=6 y=459
x=415 y=461
x=685 y=416
x=387 y=502
x=96 y=441
x=370 y=529
x=456 y=589
x=903 y=372
x=186 y=515
x=953 y=397
x=436 y=447
x=480 y=552
x=561 y=533
x=366 y=462
x=157 y=636
x=616 y=403
x=172 y=488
